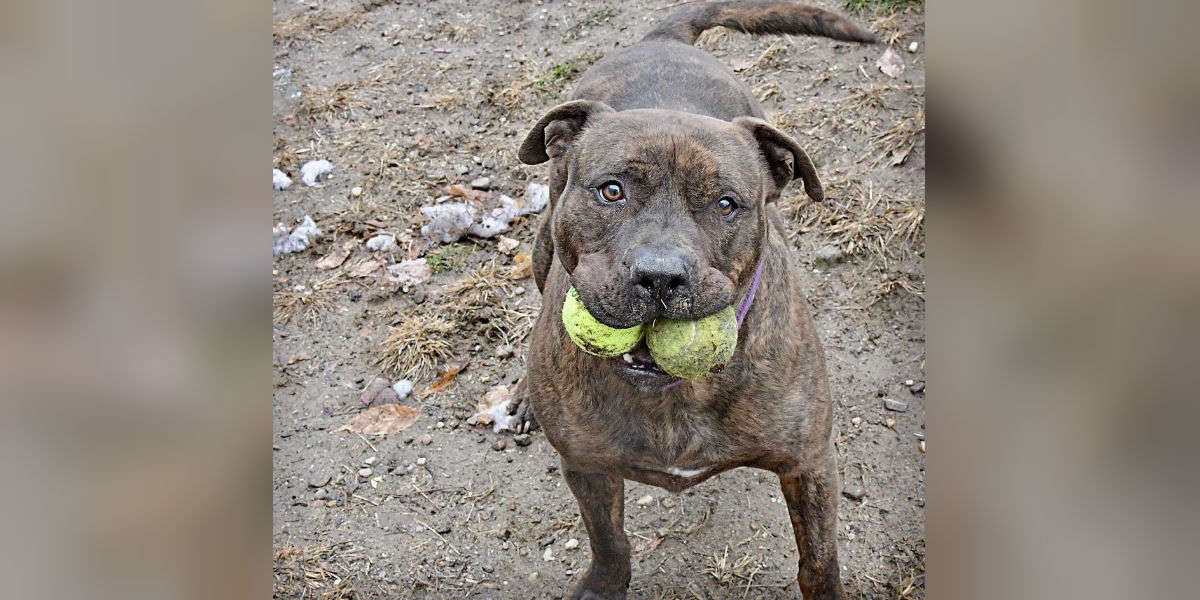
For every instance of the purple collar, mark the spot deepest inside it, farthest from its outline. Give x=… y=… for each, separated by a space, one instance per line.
x=743 y=310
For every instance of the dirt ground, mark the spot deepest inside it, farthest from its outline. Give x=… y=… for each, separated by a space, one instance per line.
x=407 y=97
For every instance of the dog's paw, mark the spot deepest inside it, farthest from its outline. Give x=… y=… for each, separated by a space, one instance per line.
x=522 y=409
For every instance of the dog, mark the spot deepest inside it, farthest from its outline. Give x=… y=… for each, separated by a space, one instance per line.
x=664 y=179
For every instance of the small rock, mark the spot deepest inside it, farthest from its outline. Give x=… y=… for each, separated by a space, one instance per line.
x=856 y=421
x=571 y=544
x=913 y=47
x=321 y=493
x=828 y=255
x=548 y=555
x=365 y=472
x=462 y=169
x=426 y=439
x=895 y=405
x=370 y=460
x=499 y=445
x=854 y=493
x=533 y=576
x=504 y=351
x=356 y=191
x=403 y=388
x=314 y=171
x=908 y=382
x=444 y=529
x=370 y=395
x=668 y=503
x=921 y=446
x=421 y=460
x=320 y=481
x=645 y=500
x=481 y=183
x=522 y=439
x=917 y=388
x=890 y=422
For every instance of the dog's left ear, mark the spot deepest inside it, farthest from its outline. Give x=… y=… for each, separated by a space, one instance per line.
x=784 y=157
x=556 y=131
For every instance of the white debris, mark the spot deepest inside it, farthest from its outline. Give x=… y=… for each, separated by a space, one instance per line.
x=451 y=221
x=447 y=222
x=571 y=544
x=299 y=239
x=314 y=171
x=280 y=180
x=403 y=388
x=538 y=195
x=913 y=47
x=384 y=242
x=890 y=63
x=489 y=227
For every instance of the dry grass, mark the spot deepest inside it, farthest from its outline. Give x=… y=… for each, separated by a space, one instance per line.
x=416 y=345
x=726 y=571
x=304 y=302
x=862 y=223
x=479 y=298
x=317 y=102
x=312 y=572
x=304 y=27
x=895 y=143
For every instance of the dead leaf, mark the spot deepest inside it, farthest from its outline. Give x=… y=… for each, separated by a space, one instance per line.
x=299 y=357
x=337 y=256
x=409 y=272
x=507 y=245
x=522 y=266
x=462 y=191
x=365 y=268
x=890 y=63
x=497 y=395
x=382 y=420
x=448 y=374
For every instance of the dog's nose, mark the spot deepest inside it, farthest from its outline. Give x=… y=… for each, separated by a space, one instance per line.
x=659 y=273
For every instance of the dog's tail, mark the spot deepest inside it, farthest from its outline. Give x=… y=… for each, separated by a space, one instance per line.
x=757 y=17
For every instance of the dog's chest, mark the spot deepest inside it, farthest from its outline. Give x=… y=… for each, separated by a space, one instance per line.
x=676 y=443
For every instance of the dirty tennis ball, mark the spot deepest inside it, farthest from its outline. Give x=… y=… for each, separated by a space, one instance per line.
x=691 y=349
x=595 y=337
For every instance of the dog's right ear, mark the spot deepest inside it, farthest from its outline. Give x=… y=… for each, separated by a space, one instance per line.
x=555 y=132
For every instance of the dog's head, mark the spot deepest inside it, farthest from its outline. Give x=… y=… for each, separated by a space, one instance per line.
x=663 y=212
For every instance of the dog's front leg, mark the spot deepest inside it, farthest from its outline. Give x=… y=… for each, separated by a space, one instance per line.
x=601 y=499
x=811 y=495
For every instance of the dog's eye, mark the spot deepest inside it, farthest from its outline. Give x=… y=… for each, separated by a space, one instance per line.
x=612 y=192
x=727 y=206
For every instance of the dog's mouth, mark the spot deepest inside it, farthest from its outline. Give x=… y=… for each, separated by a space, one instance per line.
x=638 y=369
x=639 y=359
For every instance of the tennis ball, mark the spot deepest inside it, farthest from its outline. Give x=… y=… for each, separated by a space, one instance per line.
x=595 y=337
x=691 y=349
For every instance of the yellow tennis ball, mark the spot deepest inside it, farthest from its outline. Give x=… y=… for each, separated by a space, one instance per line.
x=691 y=349
x=595 y=337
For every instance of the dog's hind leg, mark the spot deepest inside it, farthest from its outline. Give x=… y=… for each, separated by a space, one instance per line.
x=601 y=499
x=811 y=495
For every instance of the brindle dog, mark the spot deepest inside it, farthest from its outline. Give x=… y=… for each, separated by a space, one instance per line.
x=664 y=181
